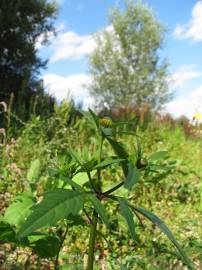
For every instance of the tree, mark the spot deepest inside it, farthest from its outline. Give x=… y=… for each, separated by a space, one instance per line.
x=22 y=24
x=125 y=66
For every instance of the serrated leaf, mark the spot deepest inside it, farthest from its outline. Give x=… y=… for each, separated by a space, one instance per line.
x=19 y=209
x=99 y=208
x=162 y=226
x=132 y=177
x=34 y=171
x=158 y=155
x=56 y=205
x=128 y=215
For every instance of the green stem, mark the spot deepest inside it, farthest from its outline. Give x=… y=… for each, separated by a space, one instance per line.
x=93 y=229
x=99 y=160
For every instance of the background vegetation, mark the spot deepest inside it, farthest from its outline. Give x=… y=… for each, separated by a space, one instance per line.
x=36 y=135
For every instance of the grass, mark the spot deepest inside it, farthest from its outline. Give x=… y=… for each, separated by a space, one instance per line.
x=175 y=197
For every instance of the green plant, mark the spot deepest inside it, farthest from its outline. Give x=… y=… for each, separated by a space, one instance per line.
x=80 y=192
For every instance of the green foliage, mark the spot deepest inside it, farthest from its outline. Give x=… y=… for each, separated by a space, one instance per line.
x=56 y=205
x=126 y=212
x=125 y=65
x=46 y=247
x=132 y=177
x=34 y=171
x=19 y=210
x=68 y=192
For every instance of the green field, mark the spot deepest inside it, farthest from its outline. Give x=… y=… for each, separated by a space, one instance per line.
x=40 y=155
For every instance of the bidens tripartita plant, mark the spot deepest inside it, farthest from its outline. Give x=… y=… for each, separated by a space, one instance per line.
x=81 y=192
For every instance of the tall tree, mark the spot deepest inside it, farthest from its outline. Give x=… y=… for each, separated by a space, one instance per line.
x=125 y=66
x=22 y=24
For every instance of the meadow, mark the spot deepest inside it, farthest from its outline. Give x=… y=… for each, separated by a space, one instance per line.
x=47 y=154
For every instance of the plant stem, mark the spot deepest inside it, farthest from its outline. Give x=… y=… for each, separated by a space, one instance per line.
x=93 y=228
x=60 y=247
x=99 y=160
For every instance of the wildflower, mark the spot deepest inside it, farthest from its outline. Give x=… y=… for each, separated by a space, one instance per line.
x=197 y=116
x=105 y=122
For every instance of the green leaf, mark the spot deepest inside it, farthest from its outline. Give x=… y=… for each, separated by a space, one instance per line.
x=19 y=210
x=82 y=177
x=108 y=162
x=7 y=233
x=76 y=157
x=34 y=171
x=99 y=208
x=158 y=156
x=128 y=215
x=120 y=152
x=132 y=177
x=74 y=185
x=158 y=222
x=47 y=247
x=94 y=117
x=56 y=205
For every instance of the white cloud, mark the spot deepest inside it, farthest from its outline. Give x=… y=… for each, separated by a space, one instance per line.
x=50 y=36
x=193 y=29
x=69 y=87
x=183 y=74
x=187 y=106
x=197 y=93
x=70 y=45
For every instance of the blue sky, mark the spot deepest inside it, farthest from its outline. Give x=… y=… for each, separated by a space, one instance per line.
x=67 y=71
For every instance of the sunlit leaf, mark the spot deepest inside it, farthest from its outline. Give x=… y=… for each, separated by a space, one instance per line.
x=34 y=171
x=158 y=155
x=19 y=209
x=56 y=205
x=158 y=222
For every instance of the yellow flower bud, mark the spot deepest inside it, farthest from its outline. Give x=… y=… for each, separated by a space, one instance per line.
x=105 y=122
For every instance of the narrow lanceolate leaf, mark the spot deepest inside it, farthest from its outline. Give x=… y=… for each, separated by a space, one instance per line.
x=19 y=209
x=55 y=205
x=128 y=215
x=132 y=177
x=120 y=152
x=95 y=117
x=158 y=222
x=99 y=208
x=108 y=162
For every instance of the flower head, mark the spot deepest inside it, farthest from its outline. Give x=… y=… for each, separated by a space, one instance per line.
x=106 y=122
x=197 y=116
